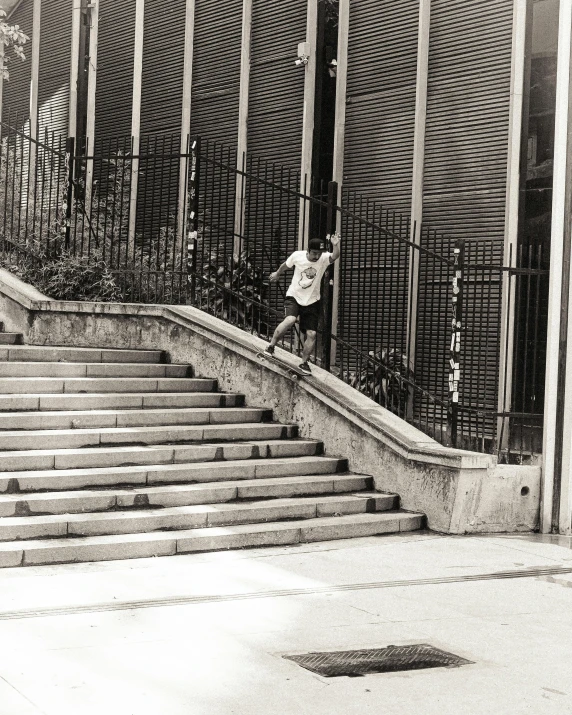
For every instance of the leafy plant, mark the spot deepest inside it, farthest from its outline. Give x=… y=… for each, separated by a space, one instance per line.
x=233 y=288
x=64 y=276
x=386 y=378
x=10 y=36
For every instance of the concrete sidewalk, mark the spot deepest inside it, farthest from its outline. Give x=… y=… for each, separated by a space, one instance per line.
x=205 y=634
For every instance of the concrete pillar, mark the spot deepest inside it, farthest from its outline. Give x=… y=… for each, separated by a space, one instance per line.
x=74 y=72
x=418 y=168
x=91 y=93
x=556 y=470
x=136 y=120
x=339 y=140
x=308 y=119
x=519 y=35
x=186 y=118
x=242 y=143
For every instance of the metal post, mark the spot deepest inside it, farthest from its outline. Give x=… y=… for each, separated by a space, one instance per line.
x=455 y=348
x=70 y=169
x=192 y=219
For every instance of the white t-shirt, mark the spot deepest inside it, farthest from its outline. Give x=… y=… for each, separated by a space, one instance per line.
x=305 y=286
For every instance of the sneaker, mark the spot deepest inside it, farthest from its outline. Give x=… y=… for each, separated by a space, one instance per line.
x=304 y=367
x=270 y=350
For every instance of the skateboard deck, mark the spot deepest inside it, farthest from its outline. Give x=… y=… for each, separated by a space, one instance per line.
x=294 y=372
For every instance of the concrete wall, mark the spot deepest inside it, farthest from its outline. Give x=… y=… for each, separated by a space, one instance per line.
x=461 y=492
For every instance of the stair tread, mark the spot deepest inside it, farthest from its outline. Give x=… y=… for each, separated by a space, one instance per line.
x=325 y=479
x=135 y=514
x=87 y=363
x=147 y=447
x=58 y=420
x=140 y=430
x=66 y=349
x=27 y=378
x=392 y=515
x=151 y=410
x=44 y=398
x=125 y=469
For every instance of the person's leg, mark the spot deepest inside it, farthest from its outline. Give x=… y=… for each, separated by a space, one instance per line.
x=309 y=343
x=282 y=329
x=291 y=312
x=309 y=320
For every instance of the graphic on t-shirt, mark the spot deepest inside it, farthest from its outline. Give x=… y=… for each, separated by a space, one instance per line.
x=308 y=277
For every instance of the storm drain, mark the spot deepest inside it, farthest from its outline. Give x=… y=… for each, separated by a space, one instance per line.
x=355 y=663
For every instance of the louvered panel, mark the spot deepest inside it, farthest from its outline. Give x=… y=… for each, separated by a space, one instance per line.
x=216 y=70
x=216 y=114
x=380 y=115
x=382 y=46
x=55 y=67
x=379 y=147
x=477 y=216
x=276 y=84
x=16 y=97
x=467 y=117
x=163 y=64
x=275 y=124
x=114 y=93
x=161 y=110
x=465 y=173
x=378 y=164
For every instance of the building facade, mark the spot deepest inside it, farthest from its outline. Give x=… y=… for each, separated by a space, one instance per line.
x=452 y=113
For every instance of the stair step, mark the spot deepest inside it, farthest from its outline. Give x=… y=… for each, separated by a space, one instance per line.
x=51 y=385
x=11 y=338
x=92 y=419
x=129 y=546
x=81 y=502
x=73 y=439
x=110 y=401
x=186 y=517
x=135 y=457
x=98 y=369
x=269 y=465
x=46 y=353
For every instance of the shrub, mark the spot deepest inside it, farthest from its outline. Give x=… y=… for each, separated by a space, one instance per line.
x=386 y=378
x=233 y=288
x=65 y=276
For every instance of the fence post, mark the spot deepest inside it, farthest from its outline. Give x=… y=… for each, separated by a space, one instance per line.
x=70 y=170
x=455 y=351
x=331 y=218
x=192 y=221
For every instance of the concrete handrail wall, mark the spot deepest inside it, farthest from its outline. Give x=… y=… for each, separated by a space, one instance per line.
x=459 y=491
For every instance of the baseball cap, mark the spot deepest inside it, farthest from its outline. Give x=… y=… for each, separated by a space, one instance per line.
x=316 y=244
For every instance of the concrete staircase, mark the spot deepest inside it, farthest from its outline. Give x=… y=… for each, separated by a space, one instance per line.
x=114 y=454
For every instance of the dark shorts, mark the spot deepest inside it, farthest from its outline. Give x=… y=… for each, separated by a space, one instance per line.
x=309 y=314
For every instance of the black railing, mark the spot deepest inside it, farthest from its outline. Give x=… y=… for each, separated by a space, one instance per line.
x=438 y=331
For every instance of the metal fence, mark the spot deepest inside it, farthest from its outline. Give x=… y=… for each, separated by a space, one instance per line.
x=426 y=326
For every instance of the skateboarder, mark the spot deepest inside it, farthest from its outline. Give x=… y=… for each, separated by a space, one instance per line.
x=303 y=297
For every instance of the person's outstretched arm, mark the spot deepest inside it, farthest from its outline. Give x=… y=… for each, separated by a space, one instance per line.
x=276 y=275
x=335 y=238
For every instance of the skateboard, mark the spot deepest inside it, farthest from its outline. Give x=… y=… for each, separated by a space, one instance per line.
x=294 y=373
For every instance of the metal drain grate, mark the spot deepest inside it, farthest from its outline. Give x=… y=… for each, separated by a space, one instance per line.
x=354 y=663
